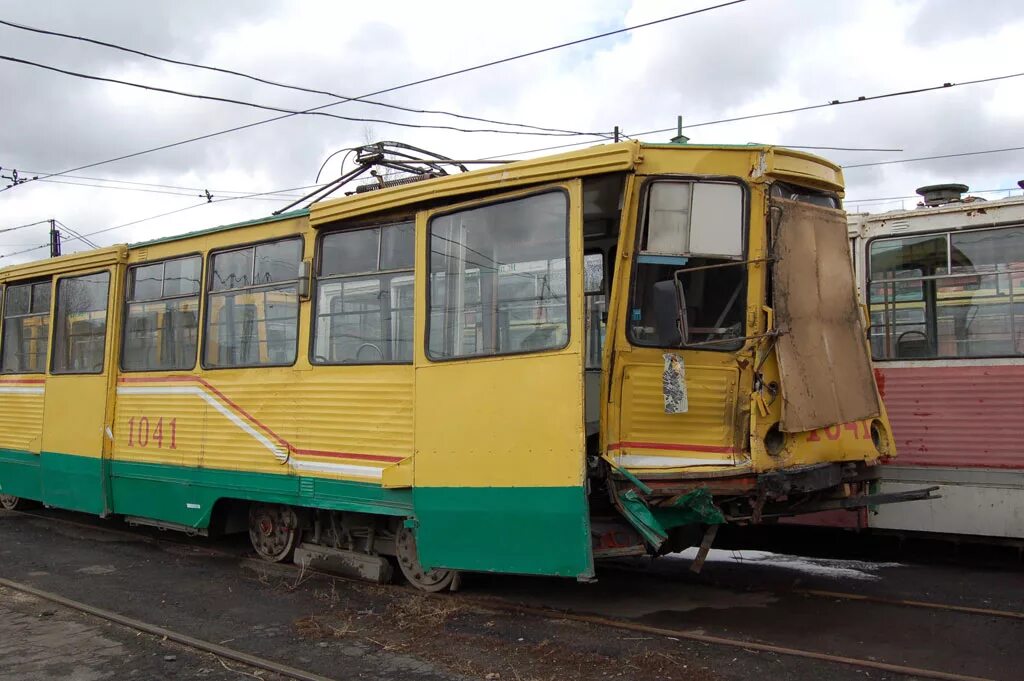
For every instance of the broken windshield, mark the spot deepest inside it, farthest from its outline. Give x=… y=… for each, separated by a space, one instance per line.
x=690 y=279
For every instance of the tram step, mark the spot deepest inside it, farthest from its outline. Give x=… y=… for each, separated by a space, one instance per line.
x=349 y=563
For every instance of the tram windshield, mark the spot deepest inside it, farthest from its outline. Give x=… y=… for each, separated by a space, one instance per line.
x=690 y=281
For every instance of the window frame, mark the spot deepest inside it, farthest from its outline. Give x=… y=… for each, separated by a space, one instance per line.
x=54 y=309
x=128 y=302
x=207 y=291
x=948 y=233
x=494 y=201
x=315 y=288
x=3 y=321
x=640 y=228
x=606 y=292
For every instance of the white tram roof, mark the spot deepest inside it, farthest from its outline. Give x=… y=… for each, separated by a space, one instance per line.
x=950 y=216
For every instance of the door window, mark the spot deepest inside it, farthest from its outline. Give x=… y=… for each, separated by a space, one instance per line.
x=81 y=324
x=498 y=278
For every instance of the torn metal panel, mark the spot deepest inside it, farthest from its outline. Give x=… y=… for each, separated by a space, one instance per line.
x=673 y=385
x=824 y=367
x=655 y=522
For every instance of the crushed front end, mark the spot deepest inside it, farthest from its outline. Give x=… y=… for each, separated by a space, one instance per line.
x=742 y=389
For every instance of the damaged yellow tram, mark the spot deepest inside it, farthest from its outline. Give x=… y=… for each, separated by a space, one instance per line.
x=517 y=369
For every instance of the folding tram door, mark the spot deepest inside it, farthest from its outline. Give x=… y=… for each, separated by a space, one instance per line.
x=78 y=407
x=499 y=471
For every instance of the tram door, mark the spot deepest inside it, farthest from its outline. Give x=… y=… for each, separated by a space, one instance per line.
x=75 y=417
x=500 y=456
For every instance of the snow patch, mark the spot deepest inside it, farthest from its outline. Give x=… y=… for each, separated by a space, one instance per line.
x=820 y=567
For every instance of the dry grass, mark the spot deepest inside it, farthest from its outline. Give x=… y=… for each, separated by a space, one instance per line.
x=417 y=611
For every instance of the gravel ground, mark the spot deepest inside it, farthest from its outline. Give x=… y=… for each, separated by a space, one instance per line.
x=349 y=630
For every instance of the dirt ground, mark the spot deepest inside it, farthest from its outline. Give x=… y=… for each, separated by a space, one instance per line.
x=352 y=630
x=40 y=641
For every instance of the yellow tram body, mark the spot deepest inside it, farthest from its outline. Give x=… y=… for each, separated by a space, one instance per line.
x=199 y=389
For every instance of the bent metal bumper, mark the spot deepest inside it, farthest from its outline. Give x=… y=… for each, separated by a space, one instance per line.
x=857 y=501
x=822 y=487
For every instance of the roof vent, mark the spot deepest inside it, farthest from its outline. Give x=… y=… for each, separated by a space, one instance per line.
x=939 y=194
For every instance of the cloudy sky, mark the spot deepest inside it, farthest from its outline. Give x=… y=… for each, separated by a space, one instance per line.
x=754 y=57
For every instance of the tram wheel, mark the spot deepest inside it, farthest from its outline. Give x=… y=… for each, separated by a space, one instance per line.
x=273 y=531
x=12 y=503
x=409 y=563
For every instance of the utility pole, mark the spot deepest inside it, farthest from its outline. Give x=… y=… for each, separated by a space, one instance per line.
x=54 y=239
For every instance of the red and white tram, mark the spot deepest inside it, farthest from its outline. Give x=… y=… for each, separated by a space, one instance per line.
x=944 y=285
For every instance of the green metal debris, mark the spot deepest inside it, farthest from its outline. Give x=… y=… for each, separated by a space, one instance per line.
x=655 y=522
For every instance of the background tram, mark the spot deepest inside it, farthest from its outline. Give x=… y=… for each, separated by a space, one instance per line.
x=945 y=288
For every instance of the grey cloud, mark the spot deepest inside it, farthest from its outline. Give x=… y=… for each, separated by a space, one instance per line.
x=938 y=21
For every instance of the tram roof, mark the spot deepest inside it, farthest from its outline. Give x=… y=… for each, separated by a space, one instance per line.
x=594 y=160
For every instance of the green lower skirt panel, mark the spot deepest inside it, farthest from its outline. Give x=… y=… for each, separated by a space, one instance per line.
x=186 y=496
x=525 y=530
x=72 y=482
x=179 y=494
x=20 y=475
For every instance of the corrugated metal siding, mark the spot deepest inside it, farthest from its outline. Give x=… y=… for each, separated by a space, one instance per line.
x=956 y=415
x=21 y=414
x=707 y=423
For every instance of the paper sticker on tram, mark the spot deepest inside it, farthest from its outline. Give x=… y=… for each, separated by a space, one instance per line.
x=464 y=372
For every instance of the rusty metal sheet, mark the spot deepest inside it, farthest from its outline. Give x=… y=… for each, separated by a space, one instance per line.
x=824 y=367
x=962 y=416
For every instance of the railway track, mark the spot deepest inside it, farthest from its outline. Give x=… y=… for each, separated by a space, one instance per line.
x=503 y=606
x=216 y=649
x=145 y=534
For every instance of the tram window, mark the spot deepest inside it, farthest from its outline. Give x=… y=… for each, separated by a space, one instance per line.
x=958 y=294
x=162 y=316
x=498 y=278
x=692 y=240
x=782 y=190
x=364 y=305
x=81 y=324
x=252 y=310
x=26 y=333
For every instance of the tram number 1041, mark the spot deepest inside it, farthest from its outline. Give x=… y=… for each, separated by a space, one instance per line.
x=861 y=430
x=156 y=432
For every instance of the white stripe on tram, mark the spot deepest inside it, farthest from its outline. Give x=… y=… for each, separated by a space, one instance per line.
x=374 y=472
x=634 y=461
x=280 y=453
x=22 y=390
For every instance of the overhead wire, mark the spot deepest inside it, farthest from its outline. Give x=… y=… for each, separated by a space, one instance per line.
x=273 y=83
x=76 y=236
x=86 y=240
x=30 y=224
x=780 y=112
x=158 y=191
x=395 y=88
x=138 y=184
x=932 y=158
x=179 y=210
x=293 y=112
x=917 y=196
